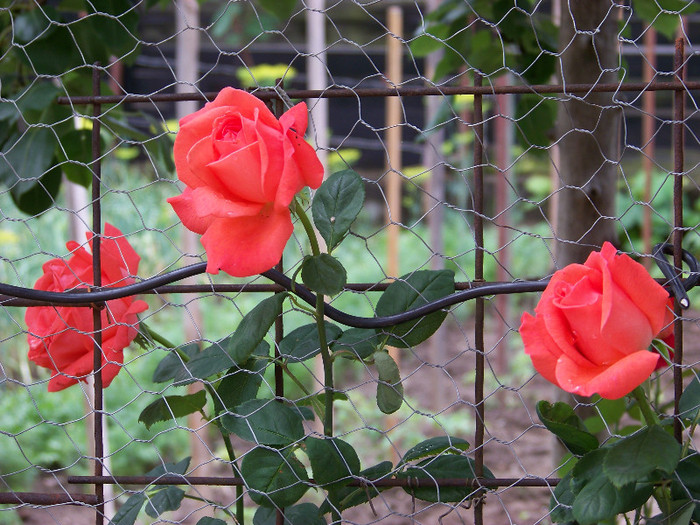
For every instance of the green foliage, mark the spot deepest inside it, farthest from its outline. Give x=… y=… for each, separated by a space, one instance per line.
x=334 y=462
x=664 y=15
x=441 y=467
x=408 y=293
x=265 y=421
x=170 y=407
x=525 y=42
x=39 y=141
x=160 y=498
x=301 y=514
x=435 y=446
x=643 y=453
x=689 y=404
x=336 y=205
x=276 y=478
x=561 y=420
x=324 y=274
x=303 y=343
x=389 y=387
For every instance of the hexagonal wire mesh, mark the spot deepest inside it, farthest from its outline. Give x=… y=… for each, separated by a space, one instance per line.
x=445 y=110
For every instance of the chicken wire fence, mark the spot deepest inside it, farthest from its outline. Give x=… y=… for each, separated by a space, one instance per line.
x=499 y=140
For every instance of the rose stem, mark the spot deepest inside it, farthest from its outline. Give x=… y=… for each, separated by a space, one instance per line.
x=158 y=338
x=649 y=416
x=321 y=327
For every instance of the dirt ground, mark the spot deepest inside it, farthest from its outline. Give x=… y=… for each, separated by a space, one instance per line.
x=516 y=446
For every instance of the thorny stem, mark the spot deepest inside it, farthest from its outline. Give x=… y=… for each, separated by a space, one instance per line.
x=155 y=336
x=649 y=416
x=321 y=327
x=211 y=503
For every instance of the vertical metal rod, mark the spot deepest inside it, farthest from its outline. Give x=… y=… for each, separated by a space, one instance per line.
x=278 y=109
x=479 y=276
x=97 y=282
x=678 y=163
x=648 y=141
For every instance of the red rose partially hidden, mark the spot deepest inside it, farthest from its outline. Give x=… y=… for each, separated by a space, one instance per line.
x=594 y=323
x=60 y=337
x=242 y=167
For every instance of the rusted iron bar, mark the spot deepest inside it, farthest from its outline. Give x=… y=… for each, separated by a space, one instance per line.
x=97 y=416
x=404 y=91
x=479 y=314
x=678 y=133
x=46 y=498
x=236 y=481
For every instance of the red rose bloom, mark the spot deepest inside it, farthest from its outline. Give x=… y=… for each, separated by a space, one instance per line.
x=60 y=337
x=594 y=323
x=242 y=167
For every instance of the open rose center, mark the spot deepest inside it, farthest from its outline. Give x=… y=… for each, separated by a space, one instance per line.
x=228 y=128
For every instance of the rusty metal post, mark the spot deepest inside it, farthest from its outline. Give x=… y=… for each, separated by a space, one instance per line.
x=97 y=309
x=678 y=163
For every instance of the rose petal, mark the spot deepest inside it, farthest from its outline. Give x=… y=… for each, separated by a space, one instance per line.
x=539 y=346
x=199 y=208
x=247 y=246
x=634 y=280
x=582 y=308
x=610 y=382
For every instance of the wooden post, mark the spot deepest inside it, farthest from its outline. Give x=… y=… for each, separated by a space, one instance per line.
x=393 y=120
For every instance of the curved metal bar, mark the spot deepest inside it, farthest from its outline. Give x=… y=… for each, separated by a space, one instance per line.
x=679 y=287
x=87 y=298
x=382 y=322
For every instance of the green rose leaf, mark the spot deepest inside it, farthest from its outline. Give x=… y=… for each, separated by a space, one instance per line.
x=324 y=274
x=336 y=205
x=206 y=520
x=241 y=384
x=164 y=500
x=597 y=501
x=664 y=15
x=302 y=514
x=640 y=454
x=265 y=421
x=127 y=513
x=75 y=152
x=435 y=446
x=282 y=9
x=439 y=467
x=535 y=120
x=689 y=403
x=561 y=420
x=172 y=365
x=562 y=500
x=171 y=407
x=678 y=513
x=333 y=461
x=686 y=481
x=253 y=327
x=389 y=387
x=35 y=196
x=302 y=343
x=347 y=497
x=170 y=468
x=408 y=293
x=356 y=343
x=276 y=478
x=239 y=346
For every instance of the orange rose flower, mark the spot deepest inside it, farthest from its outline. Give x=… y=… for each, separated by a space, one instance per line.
x=594 y=323
x=60 y=337
x=242 y=167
